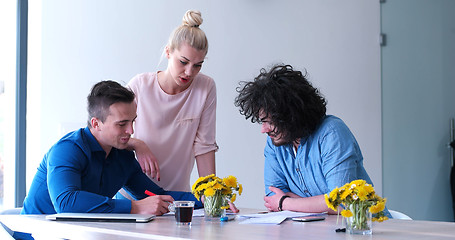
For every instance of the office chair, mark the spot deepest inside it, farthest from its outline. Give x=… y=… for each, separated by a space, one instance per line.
x=399 y=215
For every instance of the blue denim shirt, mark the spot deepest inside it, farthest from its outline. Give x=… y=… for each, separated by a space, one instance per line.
x=328 y=158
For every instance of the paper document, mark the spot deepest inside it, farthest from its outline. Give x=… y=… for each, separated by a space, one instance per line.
x=196 y=213
x=272 y=217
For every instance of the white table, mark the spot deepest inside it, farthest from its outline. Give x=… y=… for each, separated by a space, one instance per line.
x=164 y=227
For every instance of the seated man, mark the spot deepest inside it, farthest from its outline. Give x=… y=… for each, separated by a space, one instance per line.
x=308 y=153
x=86 y=168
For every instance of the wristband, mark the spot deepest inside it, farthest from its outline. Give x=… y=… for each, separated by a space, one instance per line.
x=280 y=204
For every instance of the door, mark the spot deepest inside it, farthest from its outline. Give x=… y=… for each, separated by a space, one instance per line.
x=418 y=100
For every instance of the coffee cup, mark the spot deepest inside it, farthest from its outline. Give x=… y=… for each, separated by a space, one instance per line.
x=183 y=211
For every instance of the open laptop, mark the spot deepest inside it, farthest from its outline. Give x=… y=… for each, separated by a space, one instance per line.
x=101 y=217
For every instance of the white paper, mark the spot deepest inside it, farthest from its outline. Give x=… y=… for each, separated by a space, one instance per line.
x=196 y=213
x=272 y=217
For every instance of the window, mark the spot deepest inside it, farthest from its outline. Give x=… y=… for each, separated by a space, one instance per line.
x=8 y=15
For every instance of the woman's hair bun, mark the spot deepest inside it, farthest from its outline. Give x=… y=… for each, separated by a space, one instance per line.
x=192 y=18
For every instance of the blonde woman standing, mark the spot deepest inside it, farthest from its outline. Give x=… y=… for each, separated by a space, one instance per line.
x=176 y=111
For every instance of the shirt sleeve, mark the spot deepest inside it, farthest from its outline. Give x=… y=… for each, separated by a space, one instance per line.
x=205 y=135
x=340 y=155
x=139 y=182
x=66 y=162
x=134 y=85
x=273 y=172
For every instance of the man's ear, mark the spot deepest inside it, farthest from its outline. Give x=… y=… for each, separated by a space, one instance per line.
x=95 y=123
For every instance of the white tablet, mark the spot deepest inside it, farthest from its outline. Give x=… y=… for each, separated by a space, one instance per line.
x=101 y=217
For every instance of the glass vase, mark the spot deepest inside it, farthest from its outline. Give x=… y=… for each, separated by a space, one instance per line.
x=213 y=206
x=361 y=220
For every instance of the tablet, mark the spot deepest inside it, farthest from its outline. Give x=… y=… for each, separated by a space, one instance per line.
x=101 y=217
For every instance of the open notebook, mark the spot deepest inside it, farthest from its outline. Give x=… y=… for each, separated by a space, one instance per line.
x=101 y=217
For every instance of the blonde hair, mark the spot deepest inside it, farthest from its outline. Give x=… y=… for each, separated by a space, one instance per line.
x=190 y=33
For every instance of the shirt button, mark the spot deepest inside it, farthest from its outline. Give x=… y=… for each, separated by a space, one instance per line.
x=297 y=169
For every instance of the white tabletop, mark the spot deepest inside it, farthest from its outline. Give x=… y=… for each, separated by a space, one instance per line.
x=164 y=227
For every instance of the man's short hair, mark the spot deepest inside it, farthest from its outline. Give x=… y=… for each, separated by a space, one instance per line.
x=103 y=95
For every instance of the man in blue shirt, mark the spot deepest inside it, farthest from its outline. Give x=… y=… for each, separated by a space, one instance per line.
x=87 y=167
x=308 y=153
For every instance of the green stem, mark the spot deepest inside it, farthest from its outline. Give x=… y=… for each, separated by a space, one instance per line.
x=360 y=218
x=213 y=204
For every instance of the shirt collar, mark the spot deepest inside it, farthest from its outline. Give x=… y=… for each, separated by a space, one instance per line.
x=93 y=143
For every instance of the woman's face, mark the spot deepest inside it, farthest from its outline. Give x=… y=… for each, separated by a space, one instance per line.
x=184 y=64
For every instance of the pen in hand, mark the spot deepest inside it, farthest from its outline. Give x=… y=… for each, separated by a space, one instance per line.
x=149 y=193
x=152 y=194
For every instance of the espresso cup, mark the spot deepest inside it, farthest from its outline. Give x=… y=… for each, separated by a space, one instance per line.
x=183 y=211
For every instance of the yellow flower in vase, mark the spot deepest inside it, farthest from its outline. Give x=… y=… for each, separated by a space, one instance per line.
x=230 y=181
x=209 y=192
x=346 y=213
x=217 y=193
x=359 y=201
x=234 y=196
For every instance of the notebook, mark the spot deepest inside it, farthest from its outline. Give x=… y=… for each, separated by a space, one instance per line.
x=101 y=217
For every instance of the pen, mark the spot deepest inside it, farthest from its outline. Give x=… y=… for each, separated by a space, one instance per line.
x=149 y=193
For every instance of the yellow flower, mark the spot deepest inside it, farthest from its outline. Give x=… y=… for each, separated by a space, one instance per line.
x=346 y=213
x=230 y=181
x=196 y=195
x=357 y=196
x=378 y=207
x=369 y=188
x=234 y=196
x=359 y=182
x=218 y=186
x=380 y=219
x=333 y=195
x=209 y=192
x=212 y=185
x=226 y=191
x=225 y=207
x=345 y=194
x=362 y=193
x=201 y=188
x=202 y=179
x=329 y=204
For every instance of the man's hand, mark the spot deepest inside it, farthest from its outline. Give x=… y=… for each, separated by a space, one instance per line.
x=145 y=157
x=272 y=202
x=157 y=205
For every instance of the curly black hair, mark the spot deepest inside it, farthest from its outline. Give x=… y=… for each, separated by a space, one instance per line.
x=285 y=96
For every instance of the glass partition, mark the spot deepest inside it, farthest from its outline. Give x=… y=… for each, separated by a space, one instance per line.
x=8 y=13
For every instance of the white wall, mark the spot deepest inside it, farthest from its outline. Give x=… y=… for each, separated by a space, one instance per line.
x=86 y=41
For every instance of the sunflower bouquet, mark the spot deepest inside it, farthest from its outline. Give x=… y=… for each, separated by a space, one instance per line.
x=217 y=192
x=359 y=202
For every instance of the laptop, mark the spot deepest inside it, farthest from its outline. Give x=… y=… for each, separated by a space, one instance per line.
x=101 y=217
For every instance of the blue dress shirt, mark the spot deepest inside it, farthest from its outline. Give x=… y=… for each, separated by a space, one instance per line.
x=328 y=158
x=76 y=176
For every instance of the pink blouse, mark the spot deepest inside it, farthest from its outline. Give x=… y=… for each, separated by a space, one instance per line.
x=177 y=127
